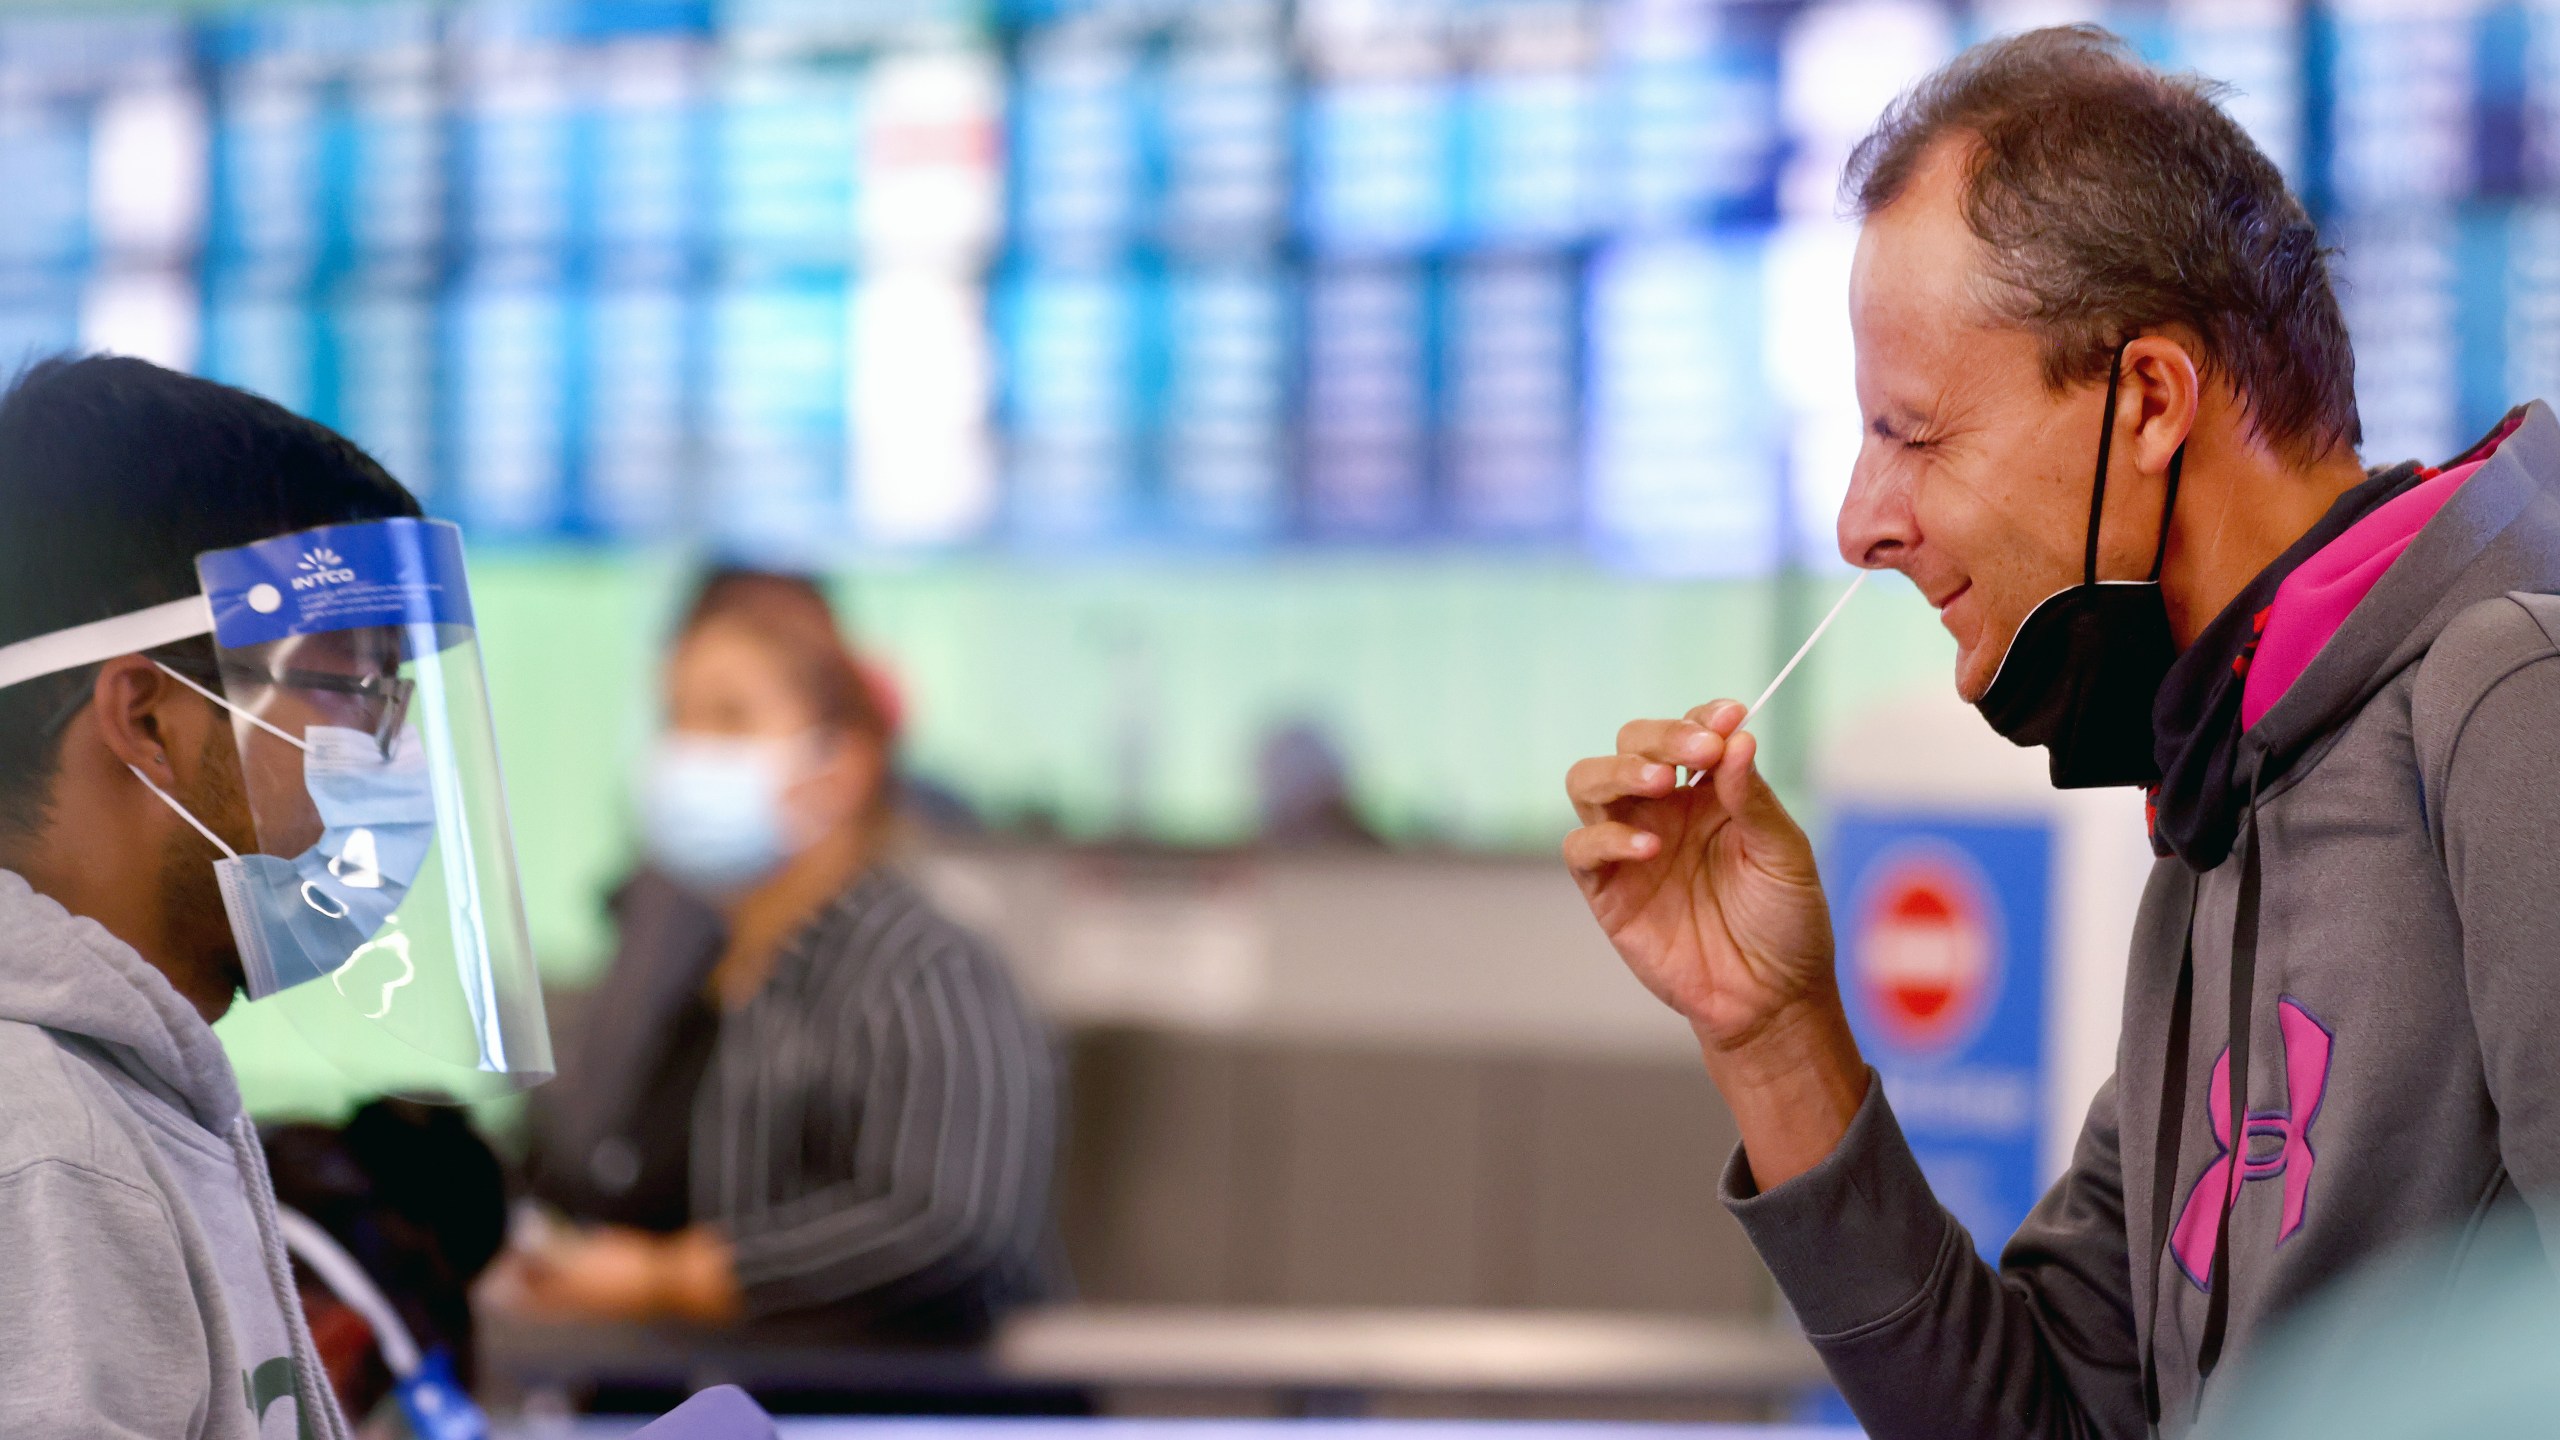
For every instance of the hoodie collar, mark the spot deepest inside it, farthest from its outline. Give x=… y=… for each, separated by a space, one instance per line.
x=2195 y=720
x=66 y=973
x=2499 y=531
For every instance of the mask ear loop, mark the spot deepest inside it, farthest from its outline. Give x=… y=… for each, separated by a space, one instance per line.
x=2098 y=489
x=171 y=801
x=2168 y=507
x=295 y=741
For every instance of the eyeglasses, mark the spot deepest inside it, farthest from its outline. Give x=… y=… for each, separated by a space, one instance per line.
x=383 y=699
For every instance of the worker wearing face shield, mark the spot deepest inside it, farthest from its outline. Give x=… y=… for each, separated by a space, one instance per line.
x=244 y=750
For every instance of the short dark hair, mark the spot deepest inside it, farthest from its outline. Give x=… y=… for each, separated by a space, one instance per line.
x=114 y=475
x=2115 y=200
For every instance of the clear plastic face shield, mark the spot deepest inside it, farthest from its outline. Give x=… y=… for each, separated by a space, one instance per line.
x=380 y=912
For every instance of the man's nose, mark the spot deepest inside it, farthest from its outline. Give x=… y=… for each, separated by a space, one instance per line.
x=1876 y=524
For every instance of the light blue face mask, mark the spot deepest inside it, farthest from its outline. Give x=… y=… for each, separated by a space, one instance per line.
x=299 y=919
x=711 y=812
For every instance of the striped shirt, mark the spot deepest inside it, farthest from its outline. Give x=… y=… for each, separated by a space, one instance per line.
x=877 y=1129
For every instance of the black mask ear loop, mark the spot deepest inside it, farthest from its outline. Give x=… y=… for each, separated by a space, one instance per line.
x=2098 y=487
x=2168 y=507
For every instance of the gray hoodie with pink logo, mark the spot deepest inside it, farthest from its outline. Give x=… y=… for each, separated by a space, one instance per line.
x=2395 y=928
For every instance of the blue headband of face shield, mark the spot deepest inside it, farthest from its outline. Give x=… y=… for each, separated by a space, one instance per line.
x=348 y=661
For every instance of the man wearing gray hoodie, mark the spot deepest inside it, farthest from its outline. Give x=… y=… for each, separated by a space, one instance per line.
x=2112 y=438
x=144 y=1289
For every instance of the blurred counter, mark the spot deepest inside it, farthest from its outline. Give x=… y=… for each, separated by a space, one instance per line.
x=846 y=1428
x=1371 y=946
x=1303 y=1362
x=1348 y=1076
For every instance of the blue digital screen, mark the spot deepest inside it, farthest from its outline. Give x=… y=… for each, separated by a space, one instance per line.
x=1226 y=112
x=1234 y=273
x=1379 y=173
x=1077 y=338
x=519 y=130
x=1079 y=149
x=1530 y=157
x=776 y=413
x=785 y=160
x=1682 y=436
x=1226 y=427
x=259 y=335
x=36 y=319
x=1693 y=136
x=267 y=163
x=1368 y=401
x=1511 y=398
x=44 y=170
x=391 y=169
x=511 y=352
x=382 y=341
x=640 y=346
x=643 y=146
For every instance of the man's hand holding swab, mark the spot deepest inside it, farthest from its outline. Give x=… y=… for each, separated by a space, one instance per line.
x=1710 y=894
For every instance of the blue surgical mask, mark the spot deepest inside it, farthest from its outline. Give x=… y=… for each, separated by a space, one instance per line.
x=300 y=919
x=711 y=808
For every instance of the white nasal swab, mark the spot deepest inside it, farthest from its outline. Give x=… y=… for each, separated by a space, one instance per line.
x=1807 y=647
x=1699 y=777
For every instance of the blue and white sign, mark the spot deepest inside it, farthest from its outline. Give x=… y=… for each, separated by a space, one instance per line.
x=1946 y=942
x=336 y=577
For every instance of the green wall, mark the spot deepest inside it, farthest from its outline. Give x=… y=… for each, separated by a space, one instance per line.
x=1075 y=697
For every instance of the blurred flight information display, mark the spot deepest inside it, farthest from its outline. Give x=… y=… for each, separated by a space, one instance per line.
x=820 y=278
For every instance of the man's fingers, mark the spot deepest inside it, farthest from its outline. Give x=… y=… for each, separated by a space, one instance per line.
x=1741 y=790
x=1604 y=780
x=1671 y=742
x=1611 y=842
x=1722 y=717
x=1734 y=778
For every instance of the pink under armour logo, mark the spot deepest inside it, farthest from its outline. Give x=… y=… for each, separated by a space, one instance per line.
x=2307 y=1043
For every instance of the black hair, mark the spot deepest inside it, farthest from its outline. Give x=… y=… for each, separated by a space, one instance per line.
x=2113 y=200
x=418 y=1198
x=114 y=475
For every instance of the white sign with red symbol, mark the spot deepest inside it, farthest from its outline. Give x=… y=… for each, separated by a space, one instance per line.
x=1925 y=958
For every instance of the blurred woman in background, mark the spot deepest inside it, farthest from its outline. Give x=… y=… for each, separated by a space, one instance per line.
x=800 y=1090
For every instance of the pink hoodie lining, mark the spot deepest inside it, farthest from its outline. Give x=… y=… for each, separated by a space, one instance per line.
x=2317 y=597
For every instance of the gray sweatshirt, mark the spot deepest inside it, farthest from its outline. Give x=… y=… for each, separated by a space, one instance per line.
x=144 y=1289
x=2401 y=1075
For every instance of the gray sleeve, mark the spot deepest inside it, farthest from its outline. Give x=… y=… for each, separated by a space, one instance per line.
x=2500 y=816
x=952 y=1162
x=98 y=1340
x=1923 y=1337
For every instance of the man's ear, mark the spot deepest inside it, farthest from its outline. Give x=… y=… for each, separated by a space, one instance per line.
x=151 y=722
x=2159 y=397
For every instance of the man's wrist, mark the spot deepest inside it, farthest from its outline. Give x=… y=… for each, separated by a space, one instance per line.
x=1794 y=1085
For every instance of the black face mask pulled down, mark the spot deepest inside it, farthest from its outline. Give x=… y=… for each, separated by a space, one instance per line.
x=2080 y=677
